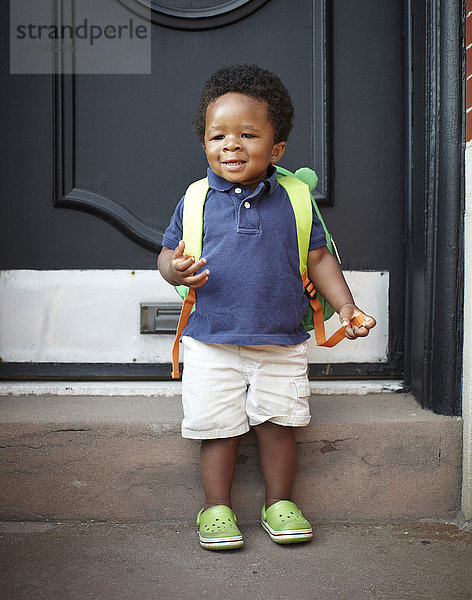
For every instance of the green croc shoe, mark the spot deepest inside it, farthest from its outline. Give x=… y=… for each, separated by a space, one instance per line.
x=285 y=523
x=217 y=529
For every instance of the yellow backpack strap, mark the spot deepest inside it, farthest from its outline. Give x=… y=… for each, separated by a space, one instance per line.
x=192 y=234
x=300 y=198
x=192 y=222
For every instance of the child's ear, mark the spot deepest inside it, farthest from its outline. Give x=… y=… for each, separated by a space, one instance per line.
x=278 y=150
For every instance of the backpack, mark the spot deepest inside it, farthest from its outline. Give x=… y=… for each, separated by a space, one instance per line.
x=298 y=186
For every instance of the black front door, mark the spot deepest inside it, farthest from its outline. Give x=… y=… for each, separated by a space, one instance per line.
x=123 y=150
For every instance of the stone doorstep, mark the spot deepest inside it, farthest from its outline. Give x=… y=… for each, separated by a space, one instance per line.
x=371 y=457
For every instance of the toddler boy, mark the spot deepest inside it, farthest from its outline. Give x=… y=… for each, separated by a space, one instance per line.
x=246 y=351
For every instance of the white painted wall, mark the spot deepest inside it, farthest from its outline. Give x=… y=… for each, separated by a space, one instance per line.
x=467 y=360
x=94 y=316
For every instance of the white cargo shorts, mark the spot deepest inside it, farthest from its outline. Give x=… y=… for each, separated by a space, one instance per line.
x=226 y=388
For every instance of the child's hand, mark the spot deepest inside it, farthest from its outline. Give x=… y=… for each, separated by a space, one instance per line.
x=347 y=313
x=184 y=270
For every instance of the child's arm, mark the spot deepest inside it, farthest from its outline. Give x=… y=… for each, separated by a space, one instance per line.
x=178 y=270
x=326 y=275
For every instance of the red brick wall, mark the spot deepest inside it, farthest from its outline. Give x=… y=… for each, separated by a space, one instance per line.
x=469 y=71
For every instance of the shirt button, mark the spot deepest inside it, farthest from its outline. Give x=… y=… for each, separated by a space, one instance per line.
x=247 y=204
x=238 y=190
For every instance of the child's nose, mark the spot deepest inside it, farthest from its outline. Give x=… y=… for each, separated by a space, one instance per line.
x=232 y=144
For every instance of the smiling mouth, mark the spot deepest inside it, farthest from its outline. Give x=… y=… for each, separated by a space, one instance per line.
x=233 y=165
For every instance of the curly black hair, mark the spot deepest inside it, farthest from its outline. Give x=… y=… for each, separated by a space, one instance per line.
x=253 y=81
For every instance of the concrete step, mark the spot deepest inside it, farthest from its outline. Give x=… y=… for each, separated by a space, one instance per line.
x=371 y=457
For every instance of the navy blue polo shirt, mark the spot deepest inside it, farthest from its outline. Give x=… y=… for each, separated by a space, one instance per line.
x=254 y=294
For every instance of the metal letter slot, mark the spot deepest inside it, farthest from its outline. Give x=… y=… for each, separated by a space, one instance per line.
x=160 y=317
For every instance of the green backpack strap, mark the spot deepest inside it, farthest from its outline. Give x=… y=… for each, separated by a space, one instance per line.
x=300 y=198
x=192 y=223
x=309 y=177
x=192 y=235
x=310 y=180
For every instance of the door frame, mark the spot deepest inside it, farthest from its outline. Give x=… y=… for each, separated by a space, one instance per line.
x=435 y=196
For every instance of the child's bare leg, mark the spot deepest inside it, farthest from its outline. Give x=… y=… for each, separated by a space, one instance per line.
x=277 y=450
x=217 y=462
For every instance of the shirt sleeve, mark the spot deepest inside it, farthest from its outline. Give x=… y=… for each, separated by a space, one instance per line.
x=173 y=233
x=318 y=236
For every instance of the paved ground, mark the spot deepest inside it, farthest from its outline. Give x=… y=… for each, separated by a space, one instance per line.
x=44 y=561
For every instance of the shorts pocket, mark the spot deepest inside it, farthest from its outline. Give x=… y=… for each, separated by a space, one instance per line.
x=302 y=386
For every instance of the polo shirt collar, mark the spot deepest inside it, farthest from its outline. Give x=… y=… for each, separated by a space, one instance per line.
x=222 y=185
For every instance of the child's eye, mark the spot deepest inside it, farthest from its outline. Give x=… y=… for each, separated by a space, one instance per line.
x=217 y=137
x=247 y=135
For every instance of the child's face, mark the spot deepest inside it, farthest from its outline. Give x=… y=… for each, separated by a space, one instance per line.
x=239 y=139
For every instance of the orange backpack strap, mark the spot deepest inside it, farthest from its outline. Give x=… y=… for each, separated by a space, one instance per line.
x=318 y=320
x=192 y=234
x=184 y=315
